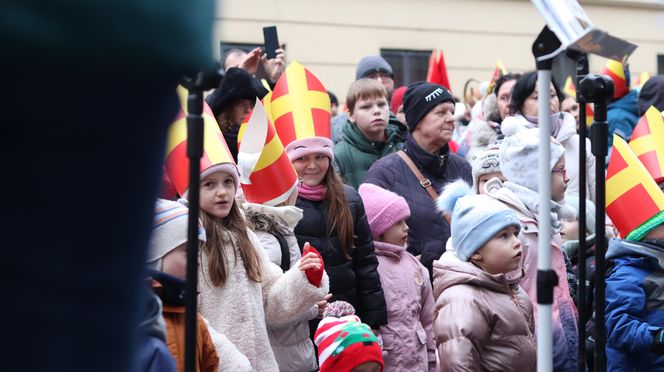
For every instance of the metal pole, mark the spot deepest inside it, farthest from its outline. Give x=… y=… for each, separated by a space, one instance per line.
x=545 y=44
x=600 y=148
x=195 y=131
x=581 y=72
x=544 y=309
x=599 y=89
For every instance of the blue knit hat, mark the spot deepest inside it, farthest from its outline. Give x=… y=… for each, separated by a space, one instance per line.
x=476 y=219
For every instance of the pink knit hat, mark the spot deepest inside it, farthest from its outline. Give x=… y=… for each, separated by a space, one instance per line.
x=383 y=208
x=312 y=145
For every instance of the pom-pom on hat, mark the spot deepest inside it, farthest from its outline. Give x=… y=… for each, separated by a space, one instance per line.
x=338 y=309
x=519 y=153
x=420 y=98
x=345 y=343
x=169 y=230
x=475 y=218
x=383 y=208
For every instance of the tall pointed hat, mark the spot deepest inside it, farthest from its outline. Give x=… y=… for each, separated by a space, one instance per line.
x=301 y=112
x=647 y=142
x=620 y=76
x=569 y=88
x=266 y=173
x=633 y=200
x=215 y=151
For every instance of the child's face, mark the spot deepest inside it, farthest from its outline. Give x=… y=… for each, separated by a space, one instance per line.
x=312 y=168
x=175 y=262
x=218 y=194
x=570 y=230
x=501 y=254
x=559 y=180
x=371 y=116
x=485 y=177
x=397 y=234
x=368 y=367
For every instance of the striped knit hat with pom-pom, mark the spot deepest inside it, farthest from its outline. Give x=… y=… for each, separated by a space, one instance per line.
x=346 y=343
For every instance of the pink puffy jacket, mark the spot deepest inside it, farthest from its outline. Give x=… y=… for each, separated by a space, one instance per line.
x=408 y=334
x=483 y=322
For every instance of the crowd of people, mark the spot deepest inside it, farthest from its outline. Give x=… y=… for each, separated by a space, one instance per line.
x=388 y=234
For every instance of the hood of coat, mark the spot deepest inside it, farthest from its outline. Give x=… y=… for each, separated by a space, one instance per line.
x=628 y=103
x=567 y=127
x=653 y=250
x=526 y=202
x=484 y=133
x=450 y=271
x=272 y=219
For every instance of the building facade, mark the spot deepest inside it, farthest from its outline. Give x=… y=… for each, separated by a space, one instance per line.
x=330 y=37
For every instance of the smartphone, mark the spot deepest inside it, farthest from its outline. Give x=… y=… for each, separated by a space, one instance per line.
x=271 y=41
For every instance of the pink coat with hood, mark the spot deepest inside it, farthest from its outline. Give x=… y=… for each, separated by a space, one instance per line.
x=408 y=337
x=483 y=322
x=525 y=203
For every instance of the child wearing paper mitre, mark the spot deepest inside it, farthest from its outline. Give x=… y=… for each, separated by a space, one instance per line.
x=635 y=266
x=483 y=318
x=241 y=291
x=408 y=335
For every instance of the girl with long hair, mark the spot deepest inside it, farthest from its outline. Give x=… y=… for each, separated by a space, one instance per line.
x=241 y=291
x=335 y=223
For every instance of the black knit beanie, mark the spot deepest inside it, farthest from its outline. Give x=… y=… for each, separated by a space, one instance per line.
x=237 y=84
x=652 y=94
x=420 y=98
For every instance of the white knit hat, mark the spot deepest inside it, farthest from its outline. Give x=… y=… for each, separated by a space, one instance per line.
x=519 y=159
x=169 y=231
x=488 y=161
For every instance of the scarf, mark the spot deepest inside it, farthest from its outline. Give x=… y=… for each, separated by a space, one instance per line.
x=530 y=199
x=313 y=193
x=556 y=123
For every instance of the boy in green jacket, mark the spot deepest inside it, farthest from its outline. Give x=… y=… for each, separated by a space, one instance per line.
x=366 y=136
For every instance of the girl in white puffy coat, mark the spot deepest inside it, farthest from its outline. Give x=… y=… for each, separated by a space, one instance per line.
x=242 y=293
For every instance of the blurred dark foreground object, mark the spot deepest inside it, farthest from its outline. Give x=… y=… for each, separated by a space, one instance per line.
x=88 y=94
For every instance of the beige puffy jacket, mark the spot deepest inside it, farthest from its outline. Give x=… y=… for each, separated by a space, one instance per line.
x=483 y=322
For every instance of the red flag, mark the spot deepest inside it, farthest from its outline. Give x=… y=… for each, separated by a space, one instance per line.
x=437 y=72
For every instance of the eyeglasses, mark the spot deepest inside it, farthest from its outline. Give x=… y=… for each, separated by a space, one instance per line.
x=563 y=171
x=378 y=74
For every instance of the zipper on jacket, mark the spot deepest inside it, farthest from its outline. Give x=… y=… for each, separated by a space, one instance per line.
x=516 y=302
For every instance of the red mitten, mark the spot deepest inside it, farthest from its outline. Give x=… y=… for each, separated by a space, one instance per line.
x=315 y=276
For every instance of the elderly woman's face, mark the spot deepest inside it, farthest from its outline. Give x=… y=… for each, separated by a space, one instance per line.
x=435 y=129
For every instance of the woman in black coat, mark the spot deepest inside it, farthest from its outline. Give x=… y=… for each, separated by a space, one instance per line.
x=335 y=224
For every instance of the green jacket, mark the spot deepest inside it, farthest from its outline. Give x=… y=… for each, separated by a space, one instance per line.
x=355 y=154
